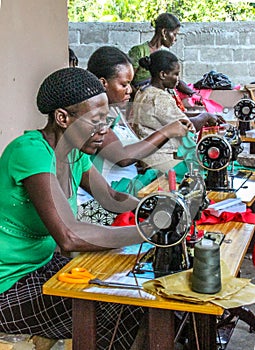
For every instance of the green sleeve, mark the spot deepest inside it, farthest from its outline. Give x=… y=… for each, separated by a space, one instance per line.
x=135 y=54
x=86 y=162
x=30 y=158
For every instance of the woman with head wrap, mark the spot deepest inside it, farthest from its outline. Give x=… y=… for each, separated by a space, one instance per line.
x=40 y=172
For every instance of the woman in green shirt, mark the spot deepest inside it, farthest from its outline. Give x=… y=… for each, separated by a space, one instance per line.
x=167 y=26
x=40 y=172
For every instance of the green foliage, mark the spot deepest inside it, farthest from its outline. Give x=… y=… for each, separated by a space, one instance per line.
x=148 y=10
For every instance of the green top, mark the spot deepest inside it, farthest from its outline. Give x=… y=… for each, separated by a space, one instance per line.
x=135 y=53
x=26 y=244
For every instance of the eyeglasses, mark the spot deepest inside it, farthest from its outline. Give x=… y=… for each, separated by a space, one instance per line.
x=97 y=127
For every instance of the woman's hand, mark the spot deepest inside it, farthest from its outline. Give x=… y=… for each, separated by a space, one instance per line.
x=207 y=119
x=180 y=127
x=197 y=99
x=188 y=124
x=214 y=119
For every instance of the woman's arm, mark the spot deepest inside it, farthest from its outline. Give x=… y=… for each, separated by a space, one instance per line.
x=113 y=150
x=96 y=185
x=71 y=235
x=184 y=88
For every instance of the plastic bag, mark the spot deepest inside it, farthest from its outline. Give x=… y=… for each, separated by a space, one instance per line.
x=214 y=81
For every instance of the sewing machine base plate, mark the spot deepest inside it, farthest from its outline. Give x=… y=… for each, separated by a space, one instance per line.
x=144 y=265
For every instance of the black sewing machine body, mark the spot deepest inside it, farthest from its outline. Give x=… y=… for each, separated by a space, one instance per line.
x=164 y=220
x=215 y=153
x=244 y=110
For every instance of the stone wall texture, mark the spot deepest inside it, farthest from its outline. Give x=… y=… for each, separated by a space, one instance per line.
x=227 y=47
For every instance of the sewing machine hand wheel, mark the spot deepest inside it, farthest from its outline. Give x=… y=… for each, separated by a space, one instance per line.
x=162 y=219
x=244 y=110
x=213 y=152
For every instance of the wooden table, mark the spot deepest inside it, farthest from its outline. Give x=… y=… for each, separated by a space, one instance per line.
x=247 y=195
x=115 y=265
x=251 y=141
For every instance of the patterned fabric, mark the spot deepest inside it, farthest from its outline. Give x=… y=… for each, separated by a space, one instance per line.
x=89 y=210
x=126 y=317
x=94 y=213
x=25 y=310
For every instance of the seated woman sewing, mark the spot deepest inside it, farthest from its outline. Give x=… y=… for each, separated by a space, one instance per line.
x=117 y=155
x=40 y=172
x=154 y=107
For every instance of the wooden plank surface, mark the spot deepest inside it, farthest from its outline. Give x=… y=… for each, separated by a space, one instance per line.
x=247 y=139
x=116 y=264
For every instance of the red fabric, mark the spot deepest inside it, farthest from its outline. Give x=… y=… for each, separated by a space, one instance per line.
x=210 y=105
x=179 y=102
x=207 y=218
x=128 y=218
x=124 y=219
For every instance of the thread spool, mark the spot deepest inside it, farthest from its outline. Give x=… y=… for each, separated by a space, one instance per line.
x=172 y=180
x=206 y=276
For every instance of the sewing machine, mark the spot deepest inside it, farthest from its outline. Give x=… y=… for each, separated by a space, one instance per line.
x=167 y=222
x=244 y=111
x=164 y=220
x=214 y=153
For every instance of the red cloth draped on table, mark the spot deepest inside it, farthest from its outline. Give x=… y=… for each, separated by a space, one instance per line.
x=128 y=218
x=207 y=218
x=210 y=105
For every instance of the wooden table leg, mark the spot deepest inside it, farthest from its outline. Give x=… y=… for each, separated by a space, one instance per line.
x=205 y=326
x=84 y=324
x=160 y=329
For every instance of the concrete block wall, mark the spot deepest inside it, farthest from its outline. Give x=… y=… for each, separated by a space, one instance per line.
x=227 y=47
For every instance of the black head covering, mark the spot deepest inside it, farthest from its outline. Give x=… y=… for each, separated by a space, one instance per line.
x=66 y=87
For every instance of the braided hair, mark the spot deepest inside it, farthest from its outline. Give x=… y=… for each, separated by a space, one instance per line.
x=67 y=87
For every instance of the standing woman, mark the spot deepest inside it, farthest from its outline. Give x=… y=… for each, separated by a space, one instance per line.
x=117 y=155
x=167 y=26
x=40 y=172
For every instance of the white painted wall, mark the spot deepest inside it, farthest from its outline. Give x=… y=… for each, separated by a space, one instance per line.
x=34 y=42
